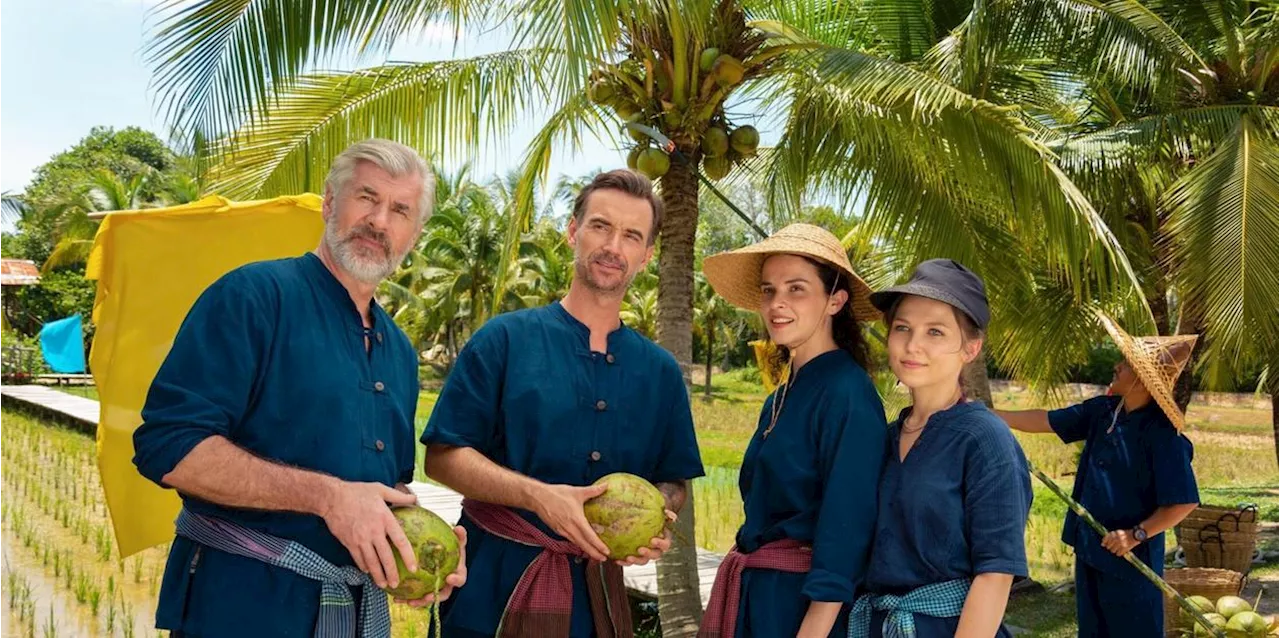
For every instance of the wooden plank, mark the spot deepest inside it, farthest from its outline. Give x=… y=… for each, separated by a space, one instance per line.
x=640 y=579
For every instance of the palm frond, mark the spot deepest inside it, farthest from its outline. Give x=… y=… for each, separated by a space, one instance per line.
x=911 y=140
x=439 y=108
x=218 y=62
x=1223 y=226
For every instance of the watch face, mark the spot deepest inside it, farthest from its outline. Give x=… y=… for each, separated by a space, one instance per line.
x=1139 y=534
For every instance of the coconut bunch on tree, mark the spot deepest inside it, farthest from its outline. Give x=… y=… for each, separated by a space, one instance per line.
x=685 y=102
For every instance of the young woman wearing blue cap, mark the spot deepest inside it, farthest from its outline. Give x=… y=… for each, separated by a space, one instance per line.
x=809 y=475
x=954 y=493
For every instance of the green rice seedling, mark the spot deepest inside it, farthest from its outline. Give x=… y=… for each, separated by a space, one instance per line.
x=95 y=598
x=81 y=590
x=126 y=619
x=111 y=616
x=137 y=569
x=111 y=585
x=51 y=625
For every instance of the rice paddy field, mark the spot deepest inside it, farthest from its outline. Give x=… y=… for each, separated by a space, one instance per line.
x=62 y=575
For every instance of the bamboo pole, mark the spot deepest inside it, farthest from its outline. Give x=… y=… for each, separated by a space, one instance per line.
x=1133 y=560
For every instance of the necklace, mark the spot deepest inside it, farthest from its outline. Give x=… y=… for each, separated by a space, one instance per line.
x=775 y=410
x=906 y=430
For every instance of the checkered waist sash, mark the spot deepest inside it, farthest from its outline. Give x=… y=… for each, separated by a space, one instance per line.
x=940 y=600
x=337 y=617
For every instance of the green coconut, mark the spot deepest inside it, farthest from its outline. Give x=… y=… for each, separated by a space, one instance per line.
x=708 y=59
x=1247 y=624
x=1214 y=619
x=1199 y=602
x=626 y=110
x=728 y=70
x=434 y=545
x=601 y=92
x=632 y=511
x=715 y=142
x=662 y=80
x=1229 y=606
x=633 y=157
x=716 y=168
x=671 y=119
x=745 y=140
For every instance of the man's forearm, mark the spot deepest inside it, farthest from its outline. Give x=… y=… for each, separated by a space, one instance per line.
x=218 y=471
x=473 y=475
x=675 y=493
x=1033 y=421
x=1165 y=517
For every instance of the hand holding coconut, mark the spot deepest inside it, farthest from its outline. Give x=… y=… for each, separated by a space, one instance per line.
x=561 y=508
x=359 y=518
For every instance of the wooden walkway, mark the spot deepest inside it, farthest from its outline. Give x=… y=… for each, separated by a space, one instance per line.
x=642 y=580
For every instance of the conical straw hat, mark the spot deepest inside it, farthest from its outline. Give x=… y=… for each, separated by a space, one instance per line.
x=735 y=274
x=1157 y=361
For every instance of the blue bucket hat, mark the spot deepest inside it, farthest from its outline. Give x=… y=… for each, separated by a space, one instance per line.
x=944 y=280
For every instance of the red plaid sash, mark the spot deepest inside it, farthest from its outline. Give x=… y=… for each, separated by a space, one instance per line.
x=784 y=555
x=542 y=604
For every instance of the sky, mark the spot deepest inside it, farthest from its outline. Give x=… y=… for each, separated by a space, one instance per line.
x=69 y=65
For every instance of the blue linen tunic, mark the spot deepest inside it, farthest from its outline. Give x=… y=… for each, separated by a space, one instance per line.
x=813 y=480
x=956 y=507
x=272 y=356
x=528 y=392
x=1122 y=478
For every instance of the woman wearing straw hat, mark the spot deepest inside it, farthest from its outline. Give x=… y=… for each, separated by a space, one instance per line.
x=1134 y=476
x=809 y=474
x=955 y=491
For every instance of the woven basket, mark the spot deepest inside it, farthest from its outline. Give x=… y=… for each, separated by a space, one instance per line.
x=1197 y=581
x=1232 y=556
x=1227 y=519
x=1190 y=535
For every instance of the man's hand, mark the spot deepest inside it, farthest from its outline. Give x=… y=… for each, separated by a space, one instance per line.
x=657 y=546
x=1119 y=542
x=451 y=582
x=560 y=507
x=358 y=516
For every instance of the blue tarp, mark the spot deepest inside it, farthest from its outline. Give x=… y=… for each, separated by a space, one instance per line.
x=62 y=343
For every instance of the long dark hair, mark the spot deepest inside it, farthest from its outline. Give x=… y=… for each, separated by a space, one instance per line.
x=844 y=328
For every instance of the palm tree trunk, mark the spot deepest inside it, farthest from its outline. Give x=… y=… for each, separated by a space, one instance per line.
x=679 y=603
x=974 y=380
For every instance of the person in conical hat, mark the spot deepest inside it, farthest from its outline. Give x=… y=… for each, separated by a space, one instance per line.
x=955 y=492
x=808 y=477
x=1134 y=476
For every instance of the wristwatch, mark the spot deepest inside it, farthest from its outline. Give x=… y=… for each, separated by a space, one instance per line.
x=1139 y=534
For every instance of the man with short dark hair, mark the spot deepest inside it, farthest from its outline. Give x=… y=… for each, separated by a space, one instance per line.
x=542 y=403
x=283 y=415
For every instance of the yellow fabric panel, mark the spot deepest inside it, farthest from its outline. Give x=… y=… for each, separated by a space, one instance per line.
x=151 y=265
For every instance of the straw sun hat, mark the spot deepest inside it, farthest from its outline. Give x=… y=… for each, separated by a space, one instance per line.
x=1157 y=361
x=735 y=274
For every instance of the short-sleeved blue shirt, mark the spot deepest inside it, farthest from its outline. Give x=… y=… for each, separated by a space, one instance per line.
x=956 y=507
x=813 y=480
x=272 y=356
x=528 y=392
x=1123 y=476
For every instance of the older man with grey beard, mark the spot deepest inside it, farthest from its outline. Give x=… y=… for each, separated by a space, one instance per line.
x=284 y=417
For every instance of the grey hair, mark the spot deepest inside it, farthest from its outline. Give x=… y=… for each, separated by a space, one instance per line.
x=393 y=157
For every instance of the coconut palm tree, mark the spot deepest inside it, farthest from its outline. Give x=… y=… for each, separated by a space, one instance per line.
x=840 y=80
x=105 y=191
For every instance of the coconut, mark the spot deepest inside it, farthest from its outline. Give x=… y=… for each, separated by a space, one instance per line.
x=1247 y=624
x=727 y=70
x=434 y=545
x=708 y=58
x=662 y=80
x=632 y=511
x=745 y=140
x=1199 y=602
x=671 y=119
x=633 y=156
x=1214 y=619
x=1229 y=606
x=1273 y=622
x=626 y=110
x=600 y=92
x=715 y=142
x=716 y=168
